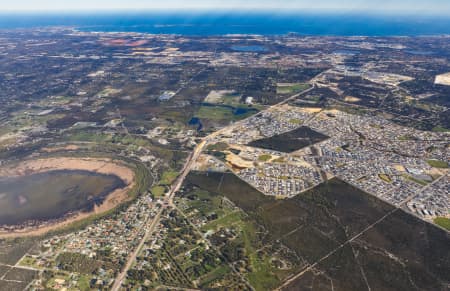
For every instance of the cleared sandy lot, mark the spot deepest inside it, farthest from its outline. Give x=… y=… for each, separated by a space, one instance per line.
x=443 y=79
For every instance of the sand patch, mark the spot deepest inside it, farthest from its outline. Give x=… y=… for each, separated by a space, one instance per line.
x=399 y=168
x=237 y=162
x=71 y=147
x=351 y=99
x=443 y=79
x=308 y=109
x=9 y=136
x=216 y=96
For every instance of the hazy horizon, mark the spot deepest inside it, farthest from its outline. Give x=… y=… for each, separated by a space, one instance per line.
x=415 y=7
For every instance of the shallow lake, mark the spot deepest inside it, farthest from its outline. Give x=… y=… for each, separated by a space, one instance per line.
x=53 y=194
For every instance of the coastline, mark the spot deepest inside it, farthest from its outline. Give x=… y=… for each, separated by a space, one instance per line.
x=205 y=23
x=101 y=166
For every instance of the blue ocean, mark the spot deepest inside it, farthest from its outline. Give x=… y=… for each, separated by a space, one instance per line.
x=213 y=23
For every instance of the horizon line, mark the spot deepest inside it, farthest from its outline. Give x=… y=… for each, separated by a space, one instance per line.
x=278 y=11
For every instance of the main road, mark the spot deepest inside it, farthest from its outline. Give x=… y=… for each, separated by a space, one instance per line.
x=151 y=224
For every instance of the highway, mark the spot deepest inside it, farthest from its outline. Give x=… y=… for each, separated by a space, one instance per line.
x=151 y=224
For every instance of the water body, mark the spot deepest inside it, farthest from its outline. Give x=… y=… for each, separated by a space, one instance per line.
x=53 y=194
x=242 y=111
x=195 y=121
x=211 y=23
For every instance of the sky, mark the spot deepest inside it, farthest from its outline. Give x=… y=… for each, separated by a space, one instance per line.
x=374 y=6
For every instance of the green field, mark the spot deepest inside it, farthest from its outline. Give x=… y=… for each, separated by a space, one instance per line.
x=437 y=164
x=83 y=283
x=296 y=121
x=215 y=113
x=214 y=275
x=224 y=112
x=220 y=146
x=28 y=261
x=231 y=99
x=443 y=222
x=385 y=178
x=263 y=275
x=264 y=158
x=292 y=88
x=79 y=263
x=416 y=180
x=158 y=191
x=168 y=177
x=440 y=129
x=226 y=220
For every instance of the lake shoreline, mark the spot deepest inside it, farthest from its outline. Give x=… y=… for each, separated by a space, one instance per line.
x=95 y=165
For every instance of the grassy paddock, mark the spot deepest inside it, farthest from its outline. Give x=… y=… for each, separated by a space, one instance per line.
x=158 y=191
x=443 y=222
x=437 y=164
x=264 y=157
x=292 y=88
